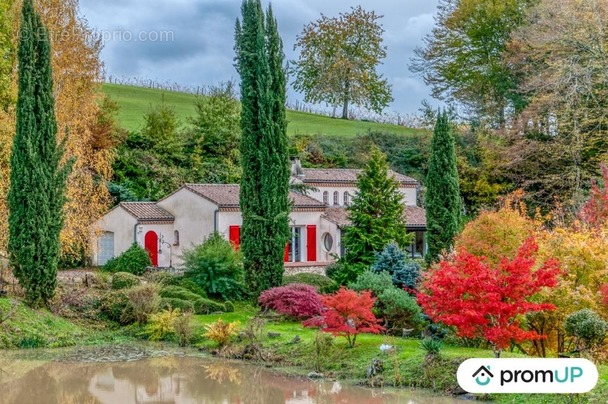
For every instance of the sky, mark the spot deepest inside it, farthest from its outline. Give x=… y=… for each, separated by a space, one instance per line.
x=190 y=42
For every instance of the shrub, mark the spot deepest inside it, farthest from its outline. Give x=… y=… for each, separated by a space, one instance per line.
x=403 y=271
x=400 y=310
x=296 y=300
x=229 y=306
x=431 y=346
x=347 y=314
x=145 y=301
x=124 y=280
x=190 y=285
x=206 y=306
x=221 y=332
x=216 y=267
x=115 y=306
x=374 y=282
x=342 y=272
x=586 y=326
x=182 y=325
x=161 y=325
x=177 y=292
x=183 y=305
x=322 y=283
x=135 y=261
x=161 y=278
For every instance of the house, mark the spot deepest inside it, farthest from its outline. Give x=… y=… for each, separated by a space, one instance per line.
x=189 y=215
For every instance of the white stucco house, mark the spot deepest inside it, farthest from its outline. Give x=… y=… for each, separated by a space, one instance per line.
x=189 y=215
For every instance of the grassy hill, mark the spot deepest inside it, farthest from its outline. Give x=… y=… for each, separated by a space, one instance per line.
x=134 y=102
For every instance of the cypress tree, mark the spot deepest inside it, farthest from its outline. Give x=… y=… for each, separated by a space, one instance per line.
x=443 y=204
x=264 y=194
x=377 y=218
x=38 y=181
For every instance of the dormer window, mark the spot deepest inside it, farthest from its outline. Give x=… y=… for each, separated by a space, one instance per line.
x=326 y=198
x=336 y=198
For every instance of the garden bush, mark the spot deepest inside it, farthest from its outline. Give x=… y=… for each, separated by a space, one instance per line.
x=124 y=280
x=587 y=327
x=400 y=310
x=216 y=267
x=221 y=332
x=323 y=283
x=375 y=282
x=115 y=306
x=182 y=326
x=296 y=300
x=135 y=261
x=229 y=306
x=145 y=301
x=178 y=292
x=206 y=306
x=403 y=271
x=341 y=271
x=183 y=305
x=161 y=325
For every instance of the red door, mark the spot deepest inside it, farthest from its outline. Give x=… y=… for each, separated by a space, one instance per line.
x=311 y=243
x=234 y=235
x=151 y=244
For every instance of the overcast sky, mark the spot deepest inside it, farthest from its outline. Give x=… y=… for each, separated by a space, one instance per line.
x=198 y=36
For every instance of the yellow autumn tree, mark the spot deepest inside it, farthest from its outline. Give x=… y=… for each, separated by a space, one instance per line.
x=498 y=234
x=77 y=78
x=8 y=94
x=583 y=257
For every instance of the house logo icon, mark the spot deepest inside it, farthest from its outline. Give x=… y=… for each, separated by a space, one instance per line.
x=483 y=376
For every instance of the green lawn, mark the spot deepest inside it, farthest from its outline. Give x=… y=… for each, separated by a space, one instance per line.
x=407 y=366
x=134 y=102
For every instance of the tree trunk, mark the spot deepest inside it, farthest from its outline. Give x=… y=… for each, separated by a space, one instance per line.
x=345 y=109
x=346 y=99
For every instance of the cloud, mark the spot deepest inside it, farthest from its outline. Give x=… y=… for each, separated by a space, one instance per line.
x=196 y=47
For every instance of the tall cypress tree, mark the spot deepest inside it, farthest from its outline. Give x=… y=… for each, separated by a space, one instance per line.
x=443 y=204
x=38 y=180
x=264 y=154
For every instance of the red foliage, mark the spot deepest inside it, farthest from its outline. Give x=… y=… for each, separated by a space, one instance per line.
x=347 y=314
x=295 y=300
x=484 y=300
x=594 y=212
x=604 y=293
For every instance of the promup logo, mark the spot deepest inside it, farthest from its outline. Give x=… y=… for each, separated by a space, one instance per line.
x=483 y=373
x=527 y=375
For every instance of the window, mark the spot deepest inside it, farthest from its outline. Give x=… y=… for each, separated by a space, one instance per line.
x=336 y=198
x=176 y=237
x=295 y=245
x=328 y=242
x=326 y=198
x=346 y=198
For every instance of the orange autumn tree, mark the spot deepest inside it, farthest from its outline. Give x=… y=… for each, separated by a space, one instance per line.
x=498 y=234
x=481 y=299
x=77 y=78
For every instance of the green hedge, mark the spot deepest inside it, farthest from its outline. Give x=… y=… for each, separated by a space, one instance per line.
x=124 y=280
x=135 y=261
x=322 y=283
x=183 y=305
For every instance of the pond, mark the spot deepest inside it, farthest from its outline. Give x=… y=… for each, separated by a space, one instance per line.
x=94 y=375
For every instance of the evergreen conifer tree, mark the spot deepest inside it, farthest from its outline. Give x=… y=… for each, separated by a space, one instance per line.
x=377 y=218
x=38 y=179
x=443 y=204
x=264 y=194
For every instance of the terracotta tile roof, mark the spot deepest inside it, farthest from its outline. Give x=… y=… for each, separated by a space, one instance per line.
x=227 y=195
x=416 y=216
x=147 y=211
x=345 y=175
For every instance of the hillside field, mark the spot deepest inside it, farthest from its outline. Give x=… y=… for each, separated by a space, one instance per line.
x=134 y=102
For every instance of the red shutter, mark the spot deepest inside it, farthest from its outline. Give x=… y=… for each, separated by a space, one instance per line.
x=311 y=246
x=286 y=258
x=234 y=234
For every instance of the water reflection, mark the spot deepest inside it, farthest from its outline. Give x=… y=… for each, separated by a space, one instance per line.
x=178 y=380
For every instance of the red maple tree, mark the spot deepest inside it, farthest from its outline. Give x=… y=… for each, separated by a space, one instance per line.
x=594 y=212
x=484 y=300
x=347 y=314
